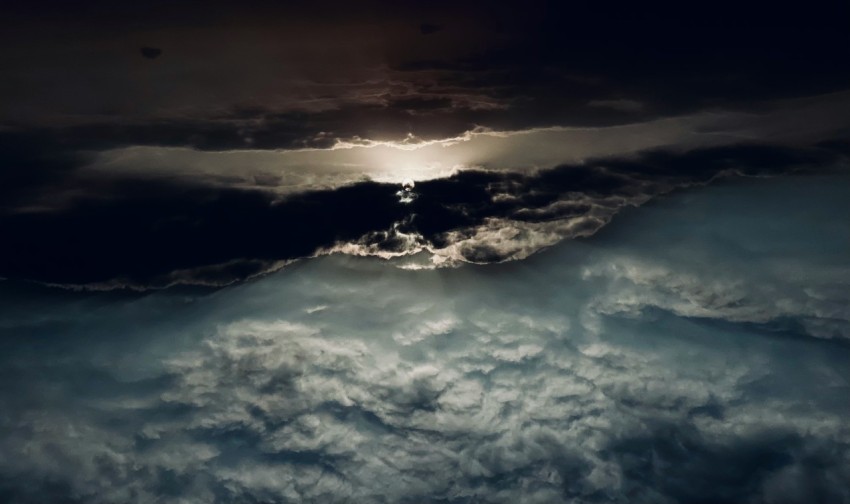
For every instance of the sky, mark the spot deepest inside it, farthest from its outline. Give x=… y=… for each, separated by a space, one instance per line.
x=432 y=251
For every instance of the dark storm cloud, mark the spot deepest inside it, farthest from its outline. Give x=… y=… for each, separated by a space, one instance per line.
x=652 y=59
x=30 y=163
x=433 y=115
x=510 y=66
x=138 y=232
x=268 y=56
x=152 y=230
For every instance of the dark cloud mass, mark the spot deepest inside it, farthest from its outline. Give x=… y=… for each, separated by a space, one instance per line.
x=155 y=233
x=507 y=66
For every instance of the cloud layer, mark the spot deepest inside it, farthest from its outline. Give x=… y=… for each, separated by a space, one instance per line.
x=246 y=75
x=696 y=350
x=128 y=230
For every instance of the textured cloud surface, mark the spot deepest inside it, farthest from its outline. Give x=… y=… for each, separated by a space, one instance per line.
x=696 y=350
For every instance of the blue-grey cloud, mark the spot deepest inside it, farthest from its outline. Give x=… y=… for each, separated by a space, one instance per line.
x=694 y=351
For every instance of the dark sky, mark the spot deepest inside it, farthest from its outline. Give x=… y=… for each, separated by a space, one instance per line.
x=88 y=86
x=281 y=72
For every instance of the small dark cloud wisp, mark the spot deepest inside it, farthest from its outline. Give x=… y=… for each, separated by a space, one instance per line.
x=151 y=52
x=429 y=28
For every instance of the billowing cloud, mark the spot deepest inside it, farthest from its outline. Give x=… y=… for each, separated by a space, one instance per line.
x=624 y=368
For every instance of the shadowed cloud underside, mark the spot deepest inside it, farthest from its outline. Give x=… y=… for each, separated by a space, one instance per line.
x=153 y=233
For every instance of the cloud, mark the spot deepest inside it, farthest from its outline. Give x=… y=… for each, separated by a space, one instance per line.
x=154 y=232
x=342 y=160
x=429 y=28
x=147 y=216
x=151 y=52
x=622 y=104
x=619 y=368
x=276 y=75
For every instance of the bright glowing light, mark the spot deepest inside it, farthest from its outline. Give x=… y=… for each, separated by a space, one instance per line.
x=352 y=160
x=406 y=194
x=399 y=162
